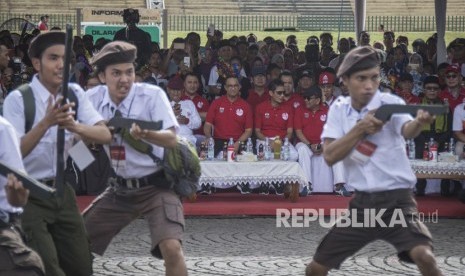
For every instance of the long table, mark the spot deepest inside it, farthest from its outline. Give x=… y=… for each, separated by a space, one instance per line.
x=438 y=170
x=222 y=174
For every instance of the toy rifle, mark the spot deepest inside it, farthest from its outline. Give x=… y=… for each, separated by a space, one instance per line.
x=36 y=188
x=385 y=112
x=60 y=176
x=120 y=122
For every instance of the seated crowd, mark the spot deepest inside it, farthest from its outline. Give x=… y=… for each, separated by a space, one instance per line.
x=243 y=88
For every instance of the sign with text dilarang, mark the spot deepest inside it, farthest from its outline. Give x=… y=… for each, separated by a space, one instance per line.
x=108 y=31
x=147 y=16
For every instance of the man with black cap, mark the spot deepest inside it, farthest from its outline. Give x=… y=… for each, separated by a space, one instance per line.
x=439 y=130
x=259 y=92
x=309 y=120
x=373 y=153
x=139 y=187
x=54 y=226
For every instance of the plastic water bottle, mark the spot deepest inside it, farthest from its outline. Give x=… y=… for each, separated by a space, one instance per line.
x=452 y=146
x=231 y=154
x=411 y=149
x=211 y=149
x=268 y=152
x=249 y=145
x=286 y=150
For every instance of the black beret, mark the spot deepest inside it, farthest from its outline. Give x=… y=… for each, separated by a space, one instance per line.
x=45 y=40
x=431 y=79
x=358 y=59
x=258 y=70
x=114 y=53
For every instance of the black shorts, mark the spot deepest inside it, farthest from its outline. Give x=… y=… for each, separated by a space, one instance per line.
x=401 y=228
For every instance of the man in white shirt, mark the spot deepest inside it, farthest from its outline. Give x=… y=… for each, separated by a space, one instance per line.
x=185 y=110
x=55 y=225
x=12 y=197
x=373 y=153
x=139 y=187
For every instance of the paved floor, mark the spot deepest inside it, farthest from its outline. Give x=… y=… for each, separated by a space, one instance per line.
x=255 y=246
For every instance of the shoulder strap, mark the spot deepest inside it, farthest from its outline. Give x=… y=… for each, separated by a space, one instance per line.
x=29 y=106
x=139 y=145
x=73 y=98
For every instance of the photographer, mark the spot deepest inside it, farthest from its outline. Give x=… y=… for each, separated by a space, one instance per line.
x=135 y=36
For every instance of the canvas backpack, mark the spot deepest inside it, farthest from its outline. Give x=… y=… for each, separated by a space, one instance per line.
x=181 y=164
x=182 y=167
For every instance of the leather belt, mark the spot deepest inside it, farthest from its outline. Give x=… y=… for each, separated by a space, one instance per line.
x=136 y=183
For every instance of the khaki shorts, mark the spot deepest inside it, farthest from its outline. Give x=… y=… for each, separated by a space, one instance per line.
x=342 y=242
x=15 y=257
x=116 y=208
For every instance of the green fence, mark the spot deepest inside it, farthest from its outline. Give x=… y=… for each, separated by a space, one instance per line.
x=230 y=22
x=309 y=22
x=200 y=23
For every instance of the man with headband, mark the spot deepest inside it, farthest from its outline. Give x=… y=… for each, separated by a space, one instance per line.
x=373 y=153
x=140 y=187
x=54 y=227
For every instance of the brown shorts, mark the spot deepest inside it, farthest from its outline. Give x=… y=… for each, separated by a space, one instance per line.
x=15 y=257
x=342 y=242
x=116 y=208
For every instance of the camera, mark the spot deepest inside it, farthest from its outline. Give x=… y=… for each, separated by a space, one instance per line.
x=131 y=16
x=20 y=76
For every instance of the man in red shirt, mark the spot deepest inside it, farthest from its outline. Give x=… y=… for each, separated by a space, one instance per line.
x=308 y=123
x=259 y=92
x=305 y=81
x=229 y=117
x=274 y=119
x=405 y=89
x=191 y=86
x=453 y=94
x=43 y=24
x=293 y=99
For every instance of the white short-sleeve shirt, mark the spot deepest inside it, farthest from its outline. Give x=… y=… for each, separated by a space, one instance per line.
x=11 y=156
x=388 y=168
x=144 y=102
x=459 y=117
x=40 y=163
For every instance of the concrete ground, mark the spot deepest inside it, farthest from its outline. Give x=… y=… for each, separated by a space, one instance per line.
x=255 y=246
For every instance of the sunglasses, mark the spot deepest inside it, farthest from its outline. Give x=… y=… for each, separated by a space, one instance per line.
x=451 y=76
x=280 y=92
x=432 y=88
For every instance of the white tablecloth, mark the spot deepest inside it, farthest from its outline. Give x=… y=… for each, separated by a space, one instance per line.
x=222 y=174
x=433 y=167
